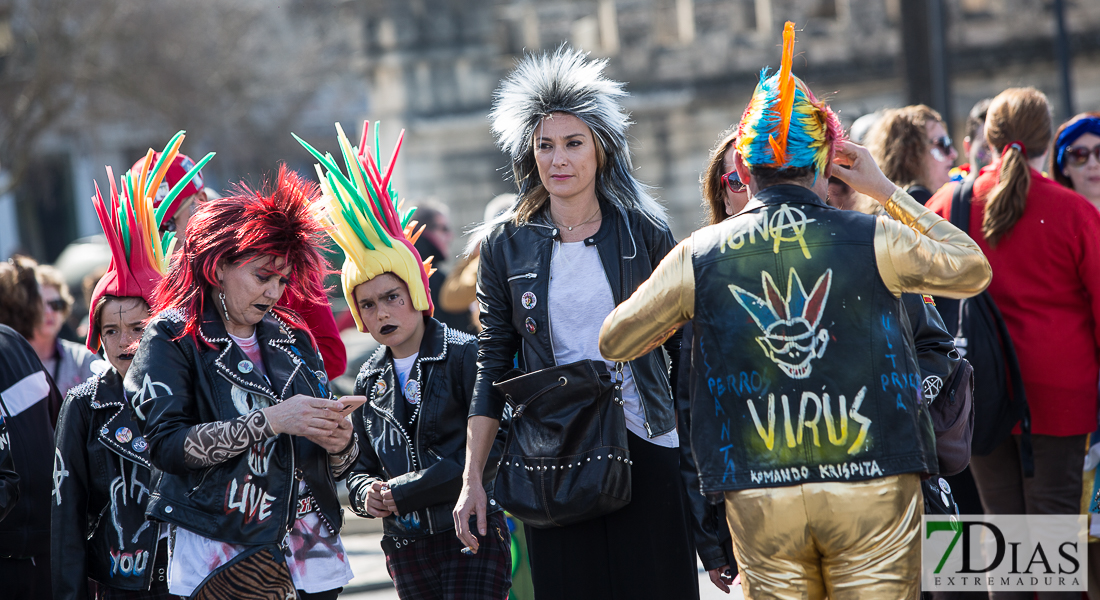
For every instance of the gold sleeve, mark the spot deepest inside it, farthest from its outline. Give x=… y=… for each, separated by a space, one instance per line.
x=654 y=311
x=922 y=253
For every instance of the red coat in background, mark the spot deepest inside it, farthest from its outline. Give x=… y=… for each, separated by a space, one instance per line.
x=1046 y=282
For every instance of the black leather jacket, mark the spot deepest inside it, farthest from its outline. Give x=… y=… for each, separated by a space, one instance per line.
x=103 y=480
x=9 y=479
x=421 y=463
x=516 y=260
x=27 y=393
x=175 y=384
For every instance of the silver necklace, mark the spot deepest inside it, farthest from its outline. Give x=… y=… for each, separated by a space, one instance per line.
x=590 y=219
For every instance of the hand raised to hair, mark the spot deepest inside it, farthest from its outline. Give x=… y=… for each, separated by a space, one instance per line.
x=855 y=166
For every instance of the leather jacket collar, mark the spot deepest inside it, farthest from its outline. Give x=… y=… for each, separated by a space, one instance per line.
x=118 y=419
x=276 y=348
x=383 y=395
x=788 y=193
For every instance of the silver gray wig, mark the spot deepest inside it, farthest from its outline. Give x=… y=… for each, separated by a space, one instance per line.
x=565 y=81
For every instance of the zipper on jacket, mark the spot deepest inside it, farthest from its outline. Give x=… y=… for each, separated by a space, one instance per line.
x=205 y=472
x=549 y=318
x=523 y=276
x=645 y=413
x=416 y=437
x=292 y=495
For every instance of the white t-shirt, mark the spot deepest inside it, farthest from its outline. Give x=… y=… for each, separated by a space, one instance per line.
x=315 y=557
x=404 y=366
x=580 y=299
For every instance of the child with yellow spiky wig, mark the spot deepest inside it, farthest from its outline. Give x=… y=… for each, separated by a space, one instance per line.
x=418 y=385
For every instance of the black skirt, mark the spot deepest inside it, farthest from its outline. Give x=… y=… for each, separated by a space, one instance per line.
x=640 y=551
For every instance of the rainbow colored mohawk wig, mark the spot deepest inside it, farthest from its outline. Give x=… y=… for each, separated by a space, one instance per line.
x=785 y=126
x=367 y=222
x=139 y=256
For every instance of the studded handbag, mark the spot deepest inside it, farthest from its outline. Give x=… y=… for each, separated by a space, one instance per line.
x=566 y=458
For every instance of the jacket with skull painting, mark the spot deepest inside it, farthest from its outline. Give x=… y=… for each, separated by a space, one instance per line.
x=807 y=365
x=177 y=381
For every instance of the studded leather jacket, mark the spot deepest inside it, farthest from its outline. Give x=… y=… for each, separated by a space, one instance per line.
x=512 y=288
x=102 y=479
x=175 y=384
x=414 y=439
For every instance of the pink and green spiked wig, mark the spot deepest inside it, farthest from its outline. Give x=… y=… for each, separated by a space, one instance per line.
x=139 y=256
x=785 y=126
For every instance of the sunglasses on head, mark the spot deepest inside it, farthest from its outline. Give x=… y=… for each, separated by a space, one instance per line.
x=1079 y=155
x=732 y=181
x=57 y=305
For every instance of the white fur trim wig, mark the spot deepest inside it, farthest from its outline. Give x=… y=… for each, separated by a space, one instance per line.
x=566 y=81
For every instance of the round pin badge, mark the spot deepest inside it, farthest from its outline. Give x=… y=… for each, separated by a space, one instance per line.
x=943 y=496
x=944 y=485
x=528 y=300
x=245 y=366
x=321 y=376
x=531 y=326
x=379 y=387
x=412 y=391
x=140 y=445
x=123 y=435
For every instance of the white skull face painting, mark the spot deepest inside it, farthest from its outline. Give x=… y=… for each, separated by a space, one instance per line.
x=791 y=339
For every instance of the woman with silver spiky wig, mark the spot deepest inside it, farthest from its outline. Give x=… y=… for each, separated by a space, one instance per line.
x=579 y=238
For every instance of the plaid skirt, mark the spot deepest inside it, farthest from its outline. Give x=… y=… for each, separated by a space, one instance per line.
x=434 y=568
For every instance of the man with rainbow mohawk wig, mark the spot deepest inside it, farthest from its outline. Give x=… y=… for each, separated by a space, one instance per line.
x=807 y=408
x=417 y=386
x=97 y=442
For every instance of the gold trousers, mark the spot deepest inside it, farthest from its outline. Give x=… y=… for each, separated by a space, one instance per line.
x=837 y=540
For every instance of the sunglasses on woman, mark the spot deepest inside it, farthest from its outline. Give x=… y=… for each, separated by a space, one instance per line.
x=1079 y=155
x=733 y=182
x=57 y=305
x=941 y=147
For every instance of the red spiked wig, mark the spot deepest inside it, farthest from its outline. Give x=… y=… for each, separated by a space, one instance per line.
x=275 y=221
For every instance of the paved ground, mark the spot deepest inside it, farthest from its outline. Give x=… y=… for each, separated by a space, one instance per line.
x=372 y=581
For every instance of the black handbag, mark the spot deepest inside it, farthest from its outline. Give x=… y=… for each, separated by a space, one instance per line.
x=566 y=459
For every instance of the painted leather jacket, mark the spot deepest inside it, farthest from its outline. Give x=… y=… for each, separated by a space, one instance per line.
x=513 y=282
x=808 y=371
x=422 y=463
x=174 y=384
x=103 y=479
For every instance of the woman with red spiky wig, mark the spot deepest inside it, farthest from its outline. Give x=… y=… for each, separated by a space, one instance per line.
x=229 y=391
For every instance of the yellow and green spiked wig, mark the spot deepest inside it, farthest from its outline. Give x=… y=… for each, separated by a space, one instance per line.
x=139 y=255
x=785 y=126
x=363 y=216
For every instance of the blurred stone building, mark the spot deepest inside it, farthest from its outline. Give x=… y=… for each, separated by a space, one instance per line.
x=690 y=66
x=430 y=66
